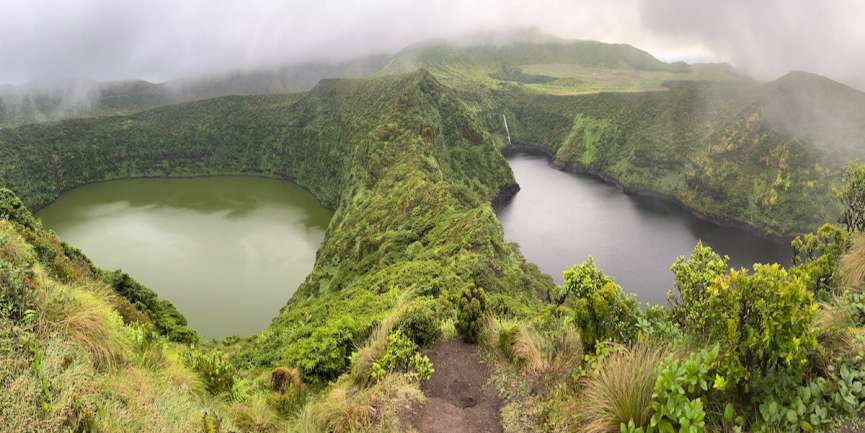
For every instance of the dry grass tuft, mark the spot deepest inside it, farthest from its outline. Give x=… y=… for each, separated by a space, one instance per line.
x=377 y=343
x=255 y=416
x=620 y=390
x=92 y=326
x=853 y=263
x=346 y=409
x=529 y=350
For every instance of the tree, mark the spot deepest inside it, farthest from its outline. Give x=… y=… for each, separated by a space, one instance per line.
x=852 y=196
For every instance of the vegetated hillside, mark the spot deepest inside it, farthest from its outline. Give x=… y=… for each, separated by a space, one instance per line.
x=408 y=169
x=542 y=63
x=548 y=65
x=40 y=102
x=758 y=154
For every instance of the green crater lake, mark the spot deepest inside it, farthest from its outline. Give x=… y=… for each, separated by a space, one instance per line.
x=227 y=251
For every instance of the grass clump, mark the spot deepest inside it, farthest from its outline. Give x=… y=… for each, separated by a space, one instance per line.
x=620 y=390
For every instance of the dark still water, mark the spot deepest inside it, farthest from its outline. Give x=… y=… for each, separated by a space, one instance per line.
x=227 y=251
x=559 y=219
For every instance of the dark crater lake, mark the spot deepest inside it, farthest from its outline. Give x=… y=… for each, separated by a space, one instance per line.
x=560 y=218
x=227 y=251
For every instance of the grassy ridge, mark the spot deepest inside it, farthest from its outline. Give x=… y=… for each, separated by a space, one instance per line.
x=409 y=170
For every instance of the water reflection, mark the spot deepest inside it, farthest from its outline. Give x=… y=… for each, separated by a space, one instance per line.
x=560 y=218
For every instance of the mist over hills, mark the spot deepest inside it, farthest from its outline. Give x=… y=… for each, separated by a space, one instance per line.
x=483 y=59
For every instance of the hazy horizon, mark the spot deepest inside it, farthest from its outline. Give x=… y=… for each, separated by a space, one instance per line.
x=159 y=40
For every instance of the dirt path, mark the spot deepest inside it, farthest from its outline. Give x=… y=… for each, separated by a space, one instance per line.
x=459 y=400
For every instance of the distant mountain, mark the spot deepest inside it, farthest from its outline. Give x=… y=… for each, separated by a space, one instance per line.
x=818 y=109
x=39 y=102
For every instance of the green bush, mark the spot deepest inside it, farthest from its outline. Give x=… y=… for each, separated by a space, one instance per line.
x=692 y=277
x=471 y=312
x=16 y=298
x=420 y=323
x=212 y=367
x=816 y=257
x=598 y=305
x=402 y=355
x=676 y=403
x=763 y=320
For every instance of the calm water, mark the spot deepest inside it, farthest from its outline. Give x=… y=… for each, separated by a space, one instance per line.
x=560 y=218
x=227 y=251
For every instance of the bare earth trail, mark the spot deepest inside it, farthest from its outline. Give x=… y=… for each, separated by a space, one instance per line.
x=459 y=399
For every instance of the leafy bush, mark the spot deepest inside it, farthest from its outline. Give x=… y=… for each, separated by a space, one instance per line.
x=599 y=307
x=402 y=355
x=852 y=197
x=762 y=320
x=816 y=257
x=692 y=278
x=676 y=402
x=16 y=298
x=212 y=367
x=471 y=311
x=420 y=323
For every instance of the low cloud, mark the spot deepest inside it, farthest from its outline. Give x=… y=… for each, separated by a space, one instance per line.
x=165 y=39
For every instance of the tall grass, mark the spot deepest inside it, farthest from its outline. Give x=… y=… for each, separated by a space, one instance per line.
x=98 y=330
x=377 y=343
x=620 y=390
x=853 y=263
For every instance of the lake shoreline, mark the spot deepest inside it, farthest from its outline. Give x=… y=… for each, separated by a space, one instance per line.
x=576 y=168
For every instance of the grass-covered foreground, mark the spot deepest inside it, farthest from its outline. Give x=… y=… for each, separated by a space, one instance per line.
x=414 y=253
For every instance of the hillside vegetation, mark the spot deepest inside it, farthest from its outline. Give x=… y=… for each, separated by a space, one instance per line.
x=410 y=164
x=735 y=152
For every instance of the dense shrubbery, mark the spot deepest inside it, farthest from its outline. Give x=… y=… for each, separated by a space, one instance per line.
x=161 y=312
x=420 y=322
x=213 y=368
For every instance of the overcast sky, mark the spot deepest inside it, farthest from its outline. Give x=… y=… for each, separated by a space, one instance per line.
x=164 y=39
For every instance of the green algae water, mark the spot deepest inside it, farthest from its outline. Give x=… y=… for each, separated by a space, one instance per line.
x=227 y=251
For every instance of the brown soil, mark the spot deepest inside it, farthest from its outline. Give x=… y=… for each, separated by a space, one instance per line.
x=459 y=397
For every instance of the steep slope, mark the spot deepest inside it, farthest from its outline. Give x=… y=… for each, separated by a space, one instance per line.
x=765 y=155
x=407 y=167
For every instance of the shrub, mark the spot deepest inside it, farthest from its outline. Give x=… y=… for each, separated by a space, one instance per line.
x=600 y=308
x=816 y=257
x=620 y=390
x=762 y=320
x=402 y=355
x=471 y=309
x=692 y=277
x=16 y=298
x=213 y=369
x=676 y=402
x=420 y=323
x=852 y=196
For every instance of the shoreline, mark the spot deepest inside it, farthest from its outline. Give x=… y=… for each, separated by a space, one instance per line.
x=575 y=168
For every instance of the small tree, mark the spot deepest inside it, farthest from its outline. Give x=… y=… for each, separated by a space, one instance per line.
x=599 y=306
x=852 y=196
x=472 y=308
x=692 y=276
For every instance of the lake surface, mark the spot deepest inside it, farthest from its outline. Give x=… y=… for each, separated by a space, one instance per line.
x=227 y=251
x=560 y=218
